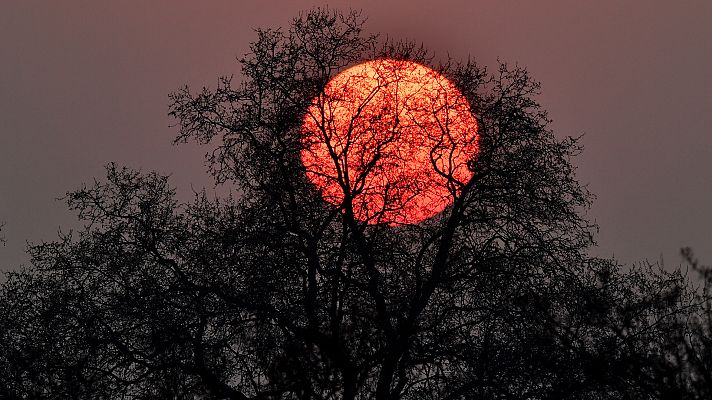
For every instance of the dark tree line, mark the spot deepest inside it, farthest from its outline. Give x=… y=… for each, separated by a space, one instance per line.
x=276 y=294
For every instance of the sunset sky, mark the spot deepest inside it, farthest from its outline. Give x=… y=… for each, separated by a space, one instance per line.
x=85 y=83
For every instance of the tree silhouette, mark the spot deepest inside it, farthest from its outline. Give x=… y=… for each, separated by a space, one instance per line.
x=278 y=293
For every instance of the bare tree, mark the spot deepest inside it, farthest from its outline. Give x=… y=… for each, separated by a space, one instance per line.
x=281 y=293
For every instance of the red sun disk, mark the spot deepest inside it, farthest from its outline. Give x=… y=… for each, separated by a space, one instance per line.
x=395 y=136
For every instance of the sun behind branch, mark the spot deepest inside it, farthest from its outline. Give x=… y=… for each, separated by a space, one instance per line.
x=393 y=138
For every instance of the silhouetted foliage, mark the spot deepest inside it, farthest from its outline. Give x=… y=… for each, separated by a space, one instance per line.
x=278 y=294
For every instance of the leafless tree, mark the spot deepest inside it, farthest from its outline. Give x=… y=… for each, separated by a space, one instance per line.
x=278 y=293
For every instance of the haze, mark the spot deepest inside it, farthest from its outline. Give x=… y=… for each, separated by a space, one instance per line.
x=84 y=83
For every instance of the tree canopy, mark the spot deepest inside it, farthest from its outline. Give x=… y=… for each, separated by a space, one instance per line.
x=276 y=293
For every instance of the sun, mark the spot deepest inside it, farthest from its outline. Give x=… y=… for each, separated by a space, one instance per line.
x=390 y=139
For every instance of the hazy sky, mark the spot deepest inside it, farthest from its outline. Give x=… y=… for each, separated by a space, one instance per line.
x=83 y=83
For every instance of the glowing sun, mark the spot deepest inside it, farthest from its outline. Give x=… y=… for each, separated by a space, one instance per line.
x=391 y=139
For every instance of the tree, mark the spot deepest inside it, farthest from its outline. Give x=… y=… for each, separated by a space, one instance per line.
x=278 y=293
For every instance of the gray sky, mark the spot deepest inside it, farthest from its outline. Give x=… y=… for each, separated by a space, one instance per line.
x=83 y=83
